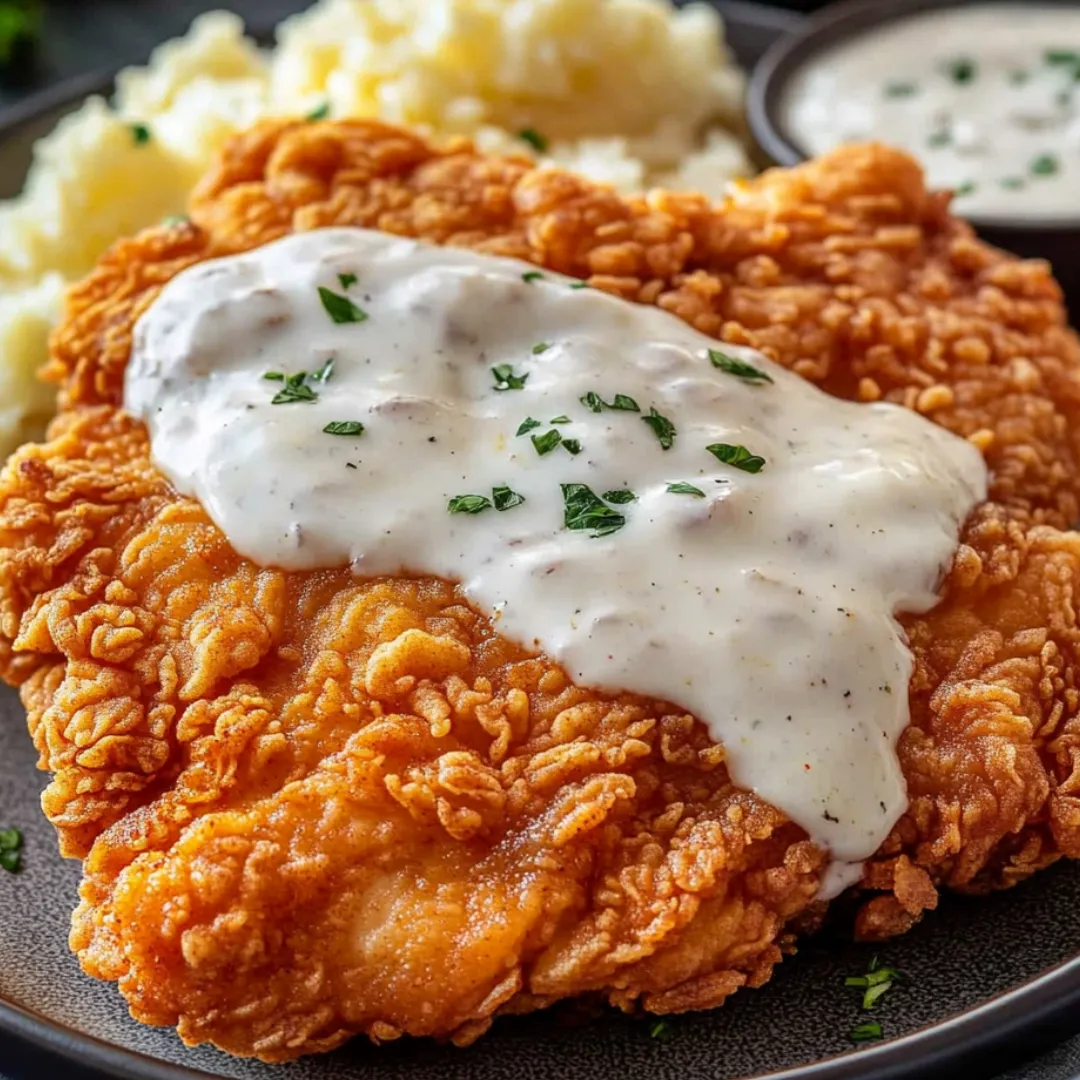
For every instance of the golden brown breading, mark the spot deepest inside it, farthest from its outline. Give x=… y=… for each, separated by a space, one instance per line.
x=312 y=806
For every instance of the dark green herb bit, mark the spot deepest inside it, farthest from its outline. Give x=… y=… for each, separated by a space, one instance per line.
x=662 y=427
x=661 y=1031
x=20 y=38
x=939 y=139
x=580 y=285
x=624 y=403
x=534 y=139
x=274 y=376
x=737 y=456
x=532 y=275
x=866 y=1032
x=468 y=504
x=527 y=425
x=347 y=280
x=875 y=983
x=573 y=445
x=900 y=89
x=1012 y=183
x=966 y=188
x=340 y=308
x=620 y=402
x=1062 y=57
x=683 y=488
x=962 y=69
x=584 y=510
x=140 y=134
x=321 y=113
x=547 y=442
x=1045 y=165
x=738 y=368
x=296 y=390
x=540 y=347
x=324 y=373
x=560 y=420
x=344 y=427
x=619 y=496
x=505 y=499
x=505 y=379
x=10 y=848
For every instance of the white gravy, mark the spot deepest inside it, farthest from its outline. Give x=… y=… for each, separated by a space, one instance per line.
x=763 y=605
x=986 y=96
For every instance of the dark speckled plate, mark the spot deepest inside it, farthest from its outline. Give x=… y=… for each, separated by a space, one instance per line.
x=984 y=979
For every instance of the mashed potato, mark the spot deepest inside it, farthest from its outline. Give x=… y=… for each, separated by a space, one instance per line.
x=631 y=92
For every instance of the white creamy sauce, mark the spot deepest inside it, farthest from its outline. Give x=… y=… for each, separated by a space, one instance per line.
x=763 y=605
x=986 y=96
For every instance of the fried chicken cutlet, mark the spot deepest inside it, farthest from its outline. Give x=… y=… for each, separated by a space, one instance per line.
x=311 y=806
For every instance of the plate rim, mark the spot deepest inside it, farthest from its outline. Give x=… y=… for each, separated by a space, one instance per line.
x=1037 y=1006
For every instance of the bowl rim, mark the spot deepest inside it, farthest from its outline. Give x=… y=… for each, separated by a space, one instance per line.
x=1037 y=1013
x=828 y=27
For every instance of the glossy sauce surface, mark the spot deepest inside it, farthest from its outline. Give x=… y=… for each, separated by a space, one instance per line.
x=659 y=512
x=986 y=96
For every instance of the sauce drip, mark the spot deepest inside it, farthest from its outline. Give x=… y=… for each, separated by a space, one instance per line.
x=658 y=511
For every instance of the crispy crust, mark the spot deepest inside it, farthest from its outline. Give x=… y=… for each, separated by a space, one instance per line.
x=312 y=806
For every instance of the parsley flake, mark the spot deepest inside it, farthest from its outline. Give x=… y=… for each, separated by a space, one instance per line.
x=1012 y=183
x=505 y=379
x=580 y=285
x=534 y=139
x=547 y=442
x=966 y=188
x=1045 y=165
x=340 y=308
x=737 y=456
x=619 y=496
x=683 y=488
x=739 y=368
x=527 y=425
x=900 y=89
x=583 y=510
x=866 y=1032
x=505 y=499
x=274 y=376
x=560 y=420
x=468 y=504
x=662 y=427
x=961 y=69
x=324 y=373
x=532 y=275
x=140 y=134
x=321 y=113
x=619 y=402
x=1062 y=57
x=344 y=427
x=347 y=280
x=540 y=347
x=939 y=139
x=877 y=982
x=10 y=848
x=573 y=445
x=295 y=390
x=661 y=1031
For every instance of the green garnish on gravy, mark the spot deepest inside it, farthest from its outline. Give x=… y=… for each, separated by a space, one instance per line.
x=738 y=368
x=532 y=275
x=140 y=134
x=1045 y=165
x=961 y=69
x=866 y=1032
x=584 y=510
x=1062 y=57
x=296 y=388
x=560 y=420
x=662 y=427
x=527 y=425
x=325 y=372
x=573 y=445
x=620 y=402
x=505 y=379
x=468 y=504
x=347 y=280
x=737 y=457
x=505 y=499
x=619 y=496
x=321 y=113
x=10 y=849
x=683 y=488
x=540 y=347
x=939 y=139
x=966 y=188
x=900 y=89
x=344 y=427
x=340 y=308
x=547 y=442
x=534 y=139
x=580 y=285
x=877 y=982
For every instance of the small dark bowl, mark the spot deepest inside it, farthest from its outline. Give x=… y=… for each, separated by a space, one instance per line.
x=1058 y=241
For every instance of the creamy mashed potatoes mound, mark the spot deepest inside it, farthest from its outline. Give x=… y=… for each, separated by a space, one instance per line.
x=634 y=93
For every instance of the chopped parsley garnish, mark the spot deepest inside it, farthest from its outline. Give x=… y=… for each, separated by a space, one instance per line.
x=140 y=134
x=939 y=139
x=573 y=445
x=321 y=113
x=580 y=285
x=532 y=275
x=347 y=280
x=560 y=420
x=534 y=139
x=1012 y=183
x=962 y=69
x=683 y=488
x=619 y=496
x=505 y=499
x=662 y=427
x=468 y=504
x=1045 y=165
x=547 y=442
x=621 y=402
x=20 y=36
x=505 y=379
x=340 y=308
x=585 y=510
x=274 y=376
x=10 y=849
x=966 y=188
x=875 y=983
x=737 y=456
x=344 y=427
x=295 y=390
x=900 y=89
x=1062 y=57
x=324 y=373
x=738 y=368
x=866 y=1032
x=527 y=425
x=661 y=1031
x=540 y=347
